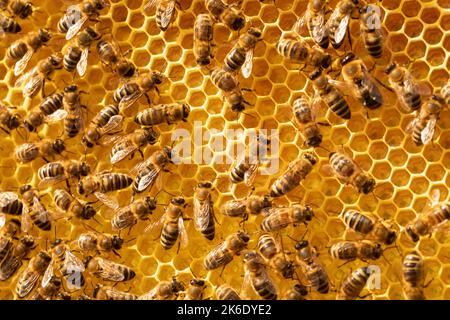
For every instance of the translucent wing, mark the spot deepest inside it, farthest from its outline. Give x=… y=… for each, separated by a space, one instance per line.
x=140 y=166
x=247 y=284
x=82 y=64
x=250 y=174
x=74 y=267
x=26 y=222
x=9 y=266
x=24 y=78
x=149 y=5
x=435 y=196
x=276 y=218
x=22 y=63
x=75 y=28
x=129 y=100
x=202 y=214
x=220 y=258
x=123 y=153
x=7 y=197
x=109 y=270
x=114 y=123
x=50 y=181
x=341 y=30
x=248 y=64
x=49 y=273
x=299 y=24
x=428 y=132
x=2 y=220
x=72 y=262
x=148 y=180
x=30 y=282
x=411 y=125
x=109 y=202
x=166 y=15
x=320 y=30
x=151 y=295
x=183 y=233
x=341 y=85
x=58 y=115
x=32 y=86
x=234 y=208
x=155 y=225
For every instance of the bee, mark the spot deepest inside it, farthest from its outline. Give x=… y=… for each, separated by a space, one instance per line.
x=169 y=113
x=363 y=224
x=370 y=25
x=49 y=110
x=224 y=80
x=34 y=80
x=224 y=253
x=316 y=22
x=111 y=57
x=413 y=275
x=108 y=270
x=256 y=275
x=49 y=291
x=34 y=211
x=74 y=120
x=427 y=222
x=128 y=216
x=278 y=218
x=106 y=121
x=101 y=183
x=225 y=292
x=299 y=51
x=357 y=77
x=10 y=203
x=76 y=54
x=445 y=92
x=132 y=142
x=13 y=260
x=7 y=233
x=304 y=117
x=297 y=292
x=313 y=269
x=195 y=290
x=203 y=37
x=67 y=203
x=275 y=256
x=8 y=119
x=241 y=55
x=27 y=152
x=294 y=174
x=28 y=278
x=22 y=50
x=67 y=264
x=236 y=100
x=330 y=95
x=164 y=290
x=77 y=15
x=19 y=8
x=109 y=293
x=353 y=285
x=204 y=210
x=148 y=171
x=100 y=242
x=229 y=15
x=351 y=250
x=60 y=170
x=9 y=25
x=423 y=126
x=339 y=20
x=244 y=207
x=347 y=171
x=245 y=169
x=128 y=93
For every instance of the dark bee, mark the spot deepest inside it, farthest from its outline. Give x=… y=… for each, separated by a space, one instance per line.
x=49 y=110
x=106 y=121
x=9 y=25
x=169 y=113
x=354 y=284
x=45 y=148
x=108 y=270
x=109 y=56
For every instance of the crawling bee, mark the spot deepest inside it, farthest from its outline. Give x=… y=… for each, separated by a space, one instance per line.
x=8 y=119
x=297 y=292
x=423 y=126
x=354 y=284
x=313 y=269
x=245 y=169
x=351 y=250
x=195 y=290
x=10 y=203
x=34 y=80
x=9 y=25
x=128 y=216
x=108 y=270
x=304 y=117
x=224 y=253
x=277 y=218
x=224 y=80
x=49 y=110
x=368 y=226
x=74 y=120
x=445 y=92
x=169 y=113
x=294 y=174
x=299 y=51
x=370 y=25
x=229 y=15
x=413 y=276
x=110 y=56
x=15 y=256
x=132 y=142
x=315 y=20
x=164 y=290
x=34 y=211
x=23 y=49
x=18 y=8
x=28 y=278
x=204 y=210
x=256 y=275
x=128 y=93
x=63 y=170
x=74 y=207
x=339 y=20
x=203 y=37
x=275 y=256
x=7 y=233
x=77 y=15
x=225 y=292
x=99 y=242
x=105 y=122
x=44 y=148
x=109 y=293
x=244 y=207
x=49 y=291
x=164 y=12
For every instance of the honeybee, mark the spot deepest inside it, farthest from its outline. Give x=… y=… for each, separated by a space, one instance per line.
x=225 y=292
x=7 y=233
x=277 y=218
x=67 y=203
x=433 y=217
x=245 y=170
x=48 y=291
x=294 y=174
x=351 y=250
x=132 y=142
x=109 y=293
x=76 y=54
x=304 y=117
x=236 y=100
x=128 y=216
x=164 y=12
x=229 y=15
x=275 y=256
x=13 y=260
x=338 y=22
x=67 y=264
x=9 y=25
x=108 y=270
x=222 y=254
x=347 y=171
x=244 y=207
x=169 y=113
x=106 y=121
x=445 y=92
x=10 y=203
x=111 y=57
x=28 y=278
x=256 y=275
x=316 y=22
x=204 y=210
x=353 y=285
x=423 y=126
x=330 y=95
x=128 y=93
x=8 y=119
x=299 y=51
x=203 y=37
x=49 y=110
x=74 y=120
x=313 y=269
x=363 y=224
x=100 y=242
x=413 y=276
x=297 y=292
x=20 y=8
x=164 y=290
x=370 y=25
x=23 y=49
x=27 y=152
x=34 y=211
x=60 y=170
x=77 y=15
x=34 y=80
x=148 y=171
x=101 y=183
x=241 y=55
x=195 y=290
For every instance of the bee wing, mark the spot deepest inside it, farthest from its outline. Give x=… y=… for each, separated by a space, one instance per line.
x=299 y=24
x=121 y=154
x=7 y=197
x=109 y=202
x=24 y=78
x=129 y=100
x=72 y=262
x=428 y=132
x=166 y=15
x=202 y=214
x=149 y=179
x=115 y=122
x=50 y=181
x=411 y=125
x=247 y=287
x=109 y=270
x=151 y=295
x=341 y=85
x=320 y=29
x=140 y=166
x=58 y=115
x=9 y=266
x=2 y=220
x=82 y=64
x=248 y=64
x=150 y=4
x=183 y=233
x=250 y=174
x=26 y=222
x=31 y=278
x=33 y=85
x=22 y=63
x=276 y=217
x=75 y=28
x=155 y=225
x=49 y=273
x=220 y=258
x=341 y=30
x=268 y=211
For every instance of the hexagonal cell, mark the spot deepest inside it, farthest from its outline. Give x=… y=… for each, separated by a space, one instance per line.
x=413 y=28
x=394 y=21
x=416 y=49
x=400 y=177
x=432 y=35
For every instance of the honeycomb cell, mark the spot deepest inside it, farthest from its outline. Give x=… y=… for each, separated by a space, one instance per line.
x=413 y=28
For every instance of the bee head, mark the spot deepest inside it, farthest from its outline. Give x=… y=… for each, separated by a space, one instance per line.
x=59 y=146
x=150 y=203
x=177 y=286
x=411 y=234
x=168 y=152
x=238 y=107
x=363 y=9
x=254 y=32
x=186 y=111
x=266 y=202
x=438 y=98
x=45 y=35
x=250 y=255
x=87 y=260
x=243 y=236
x=197 y=282
x=309 y=213
x=390 y=67
x=348 y=58
x=355 y=2
x=288 y=270
x=157 y=77
x=14 y=121
x=203 y=61
x=88 y=212
x=55 y=60
x=301 y=245
x=178 y=201
x=314 y=141
x=238 y=23
x=71 y=88
x=44 y=256
x=310 y=157
x=377 y=252
x=205 y=184
x=84 y=169
x=25 y=188
x=301 y=289
x=117 y=242
x=368 y=184
x=80 y=188
x=27 y=241
x=315 y=74
x=94 y=35
x=326 y=61
x=100 y=4
x=87 y=143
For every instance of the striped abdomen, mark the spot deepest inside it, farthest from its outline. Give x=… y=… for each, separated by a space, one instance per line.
x=125 y=90
x=106 y=113
x=336 y=102
x=66 y=22
x=358 y=222
x=51 y=170
x=138 y=178
x=17 y=50
x=440 y=214
x=342 y=165
x=72 y=124
x=51 y=103
x=123 y=220
x=267 y=246
x=41 y=220
x=114 y=181
x=413 y=268
x=344 y=250
x=264 y=287
x=237 y=173
x=27 y=152
x=317 y=278
x=235 y=59
x=14 y=207
x=212 y=262
x=417 y=132
x=9 y=25
x=355 y=283
x=225 y=292
x=169 y=234
x=294 y=50
x=373 y=42
x=62 y=199
x=71 y=58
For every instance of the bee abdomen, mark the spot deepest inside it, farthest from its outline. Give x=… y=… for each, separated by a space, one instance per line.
x=417 y=134
x=169 y=235
x=72 y=125
x=225 y=292
x=354 y=284
x=105 y=114
x=358 y=222
x=237 y=174
x=339 y=106
x=14 y=208
x=115 y=181
x=123 y=220
x=344 y=251
x=71 y=58
x=45 y=224
x=125 y=90
x=17 y=50
x=265 y=288
x=318 y=279
x=235 y=59
x=49 y=170
x=51 y=103
x=412 y=268
x=210 y=230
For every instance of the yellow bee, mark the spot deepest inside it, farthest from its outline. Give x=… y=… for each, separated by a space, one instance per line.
x=353 y=285
x=19 y=8
x=7 y=233
x=304 y=117
x=338 y=22
x=277 y=218
x=128 y=216
x=66 y=203
x=229 y=15
x=108 y=270
x=275 y=256
x=315 y=20
x=204 y=210
x=63 y=170
x=370 y=25
x=256 y=275
x=169 y=113
x=34 y=211
x=35 y=269
x=110 y=56
x=27 y=152
x=109 y=293
x=203 y=37
x=351 y=250
x=195 y=290
x=413 y=276
x=164 y=290
x=132 y=142
x=244 y=207
x=106 y=121
x=224 y=253
x=15 y=256
x=99 y=242
x=49 y=110
x=47 y=291
x=164 y=11
x=8 y=120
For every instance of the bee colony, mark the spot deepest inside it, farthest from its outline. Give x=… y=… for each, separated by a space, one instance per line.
x=348 y=206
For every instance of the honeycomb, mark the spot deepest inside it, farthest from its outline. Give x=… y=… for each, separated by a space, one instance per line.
x=417 y=35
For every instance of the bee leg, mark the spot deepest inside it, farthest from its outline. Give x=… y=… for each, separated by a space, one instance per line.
x=220 y=276
x=148 y=98
x=141 y=153
x=117 y=254
x=45 y=159
x=179 y=245
x=349 y=37
x=346 y=262
x=6 y=131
